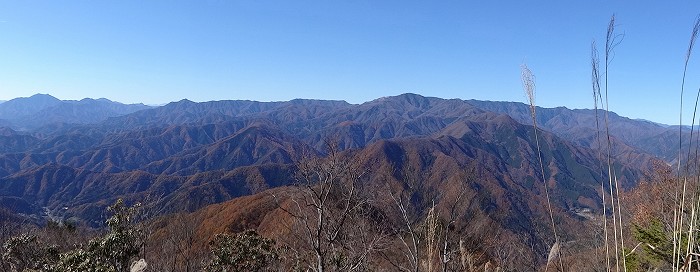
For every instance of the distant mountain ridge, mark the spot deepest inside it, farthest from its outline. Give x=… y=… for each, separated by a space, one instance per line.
x=67 y=126
x=309 y=121
x=187 y=156
x=28 y=113
x=226 y=161
x=185 y=138
x=579 y=126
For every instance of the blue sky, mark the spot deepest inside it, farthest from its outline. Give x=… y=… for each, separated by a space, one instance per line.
x=160 y=51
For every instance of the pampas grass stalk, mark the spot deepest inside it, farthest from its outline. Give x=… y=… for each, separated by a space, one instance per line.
x=553 y=253
x=528 y=80
x=693 y=214
x=611 y=41
x=431 y=235
x=595 y=78
x=678 y=213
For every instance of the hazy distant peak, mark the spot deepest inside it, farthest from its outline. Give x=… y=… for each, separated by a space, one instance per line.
x=310 y=102
x=42 y=96
x=27 y=113
x=101 y=100
x=86 y=99
x=651 y=122
x=409 y=100
x=40 y=100
x=411 y=96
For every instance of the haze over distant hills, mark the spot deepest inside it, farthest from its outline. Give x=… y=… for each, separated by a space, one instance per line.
x=29 y=113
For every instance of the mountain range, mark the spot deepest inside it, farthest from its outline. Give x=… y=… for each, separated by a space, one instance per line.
x=73 y=158
x=31 y=113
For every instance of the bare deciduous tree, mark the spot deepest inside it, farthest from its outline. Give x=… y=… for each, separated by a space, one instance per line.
x=330 y=211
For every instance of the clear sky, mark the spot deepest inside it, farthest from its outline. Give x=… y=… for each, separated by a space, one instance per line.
x=160 y=51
